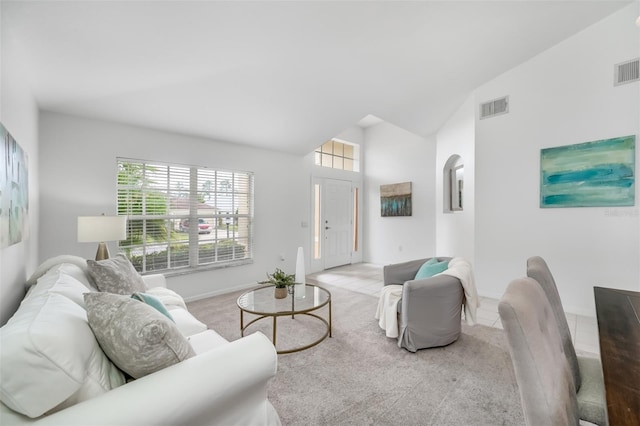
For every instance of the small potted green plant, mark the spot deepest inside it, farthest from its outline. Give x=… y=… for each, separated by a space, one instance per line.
x=281 y=280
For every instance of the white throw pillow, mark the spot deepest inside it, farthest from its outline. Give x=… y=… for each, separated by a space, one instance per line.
x=50 y=359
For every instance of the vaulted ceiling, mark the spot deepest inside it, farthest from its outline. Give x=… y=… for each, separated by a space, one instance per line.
x=284 y=75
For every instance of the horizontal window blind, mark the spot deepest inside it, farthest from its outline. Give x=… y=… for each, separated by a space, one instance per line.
x=184 y=217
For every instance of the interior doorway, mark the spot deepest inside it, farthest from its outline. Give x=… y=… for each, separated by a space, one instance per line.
x=335 y=222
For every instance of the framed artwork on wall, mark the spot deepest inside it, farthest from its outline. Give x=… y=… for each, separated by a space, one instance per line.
x=14 y=191
x=590 y=174
x=395 y=199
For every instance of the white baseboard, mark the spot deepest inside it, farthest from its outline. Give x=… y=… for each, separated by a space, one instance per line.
x=220 y=292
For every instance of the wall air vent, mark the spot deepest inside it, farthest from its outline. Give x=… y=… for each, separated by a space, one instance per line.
x=627 y=72
x=495 y=107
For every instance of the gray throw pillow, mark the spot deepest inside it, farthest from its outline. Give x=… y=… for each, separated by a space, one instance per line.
x=136 y=337
x=116 y=275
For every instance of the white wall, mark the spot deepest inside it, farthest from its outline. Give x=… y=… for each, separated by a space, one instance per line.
x=19 y=115
x=455 y=231
x=563 y=96
x=79 y=178
x=393 y=155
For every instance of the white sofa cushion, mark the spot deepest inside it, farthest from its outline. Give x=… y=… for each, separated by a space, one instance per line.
x=136 y=337
x=154 y=280
x=169 y=298
x=65 y=279
x=186 y=323
x=47 y=265
x=48 y=340
x=206 y=341
x=76 y=272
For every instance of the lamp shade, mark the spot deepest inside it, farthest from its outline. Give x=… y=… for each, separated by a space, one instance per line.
x=95 y=229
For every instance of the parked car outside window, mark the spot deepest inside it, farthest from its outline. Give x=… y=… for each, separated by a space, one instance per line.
x=203 y=227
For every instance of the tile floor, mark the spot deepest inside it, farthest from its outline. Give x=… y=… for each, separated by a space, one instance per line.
x=367 y=278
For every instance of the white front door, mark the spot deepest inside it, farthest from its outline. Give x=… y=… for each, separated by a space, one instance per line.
x=336 y=223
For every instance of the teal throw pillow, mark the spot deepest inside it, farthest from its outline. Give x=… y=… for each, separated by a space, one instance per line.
x=430 y=269
x=431 y=261
x=154 y=302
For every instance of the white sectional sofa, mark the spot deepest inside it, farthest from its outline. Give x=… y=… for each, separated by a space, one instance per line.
x=53 y=371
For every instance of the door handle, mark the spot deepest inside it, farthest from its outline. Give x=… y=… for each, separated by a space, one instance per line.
x=326 y=227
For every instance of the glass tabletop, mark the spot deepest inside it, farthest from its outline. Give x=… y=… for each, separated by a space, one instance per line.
x=262 y=301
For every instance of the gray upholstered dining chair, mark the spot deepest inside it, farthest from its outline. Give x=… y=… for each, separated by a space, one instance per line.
x=543 y=375
x=586 y=371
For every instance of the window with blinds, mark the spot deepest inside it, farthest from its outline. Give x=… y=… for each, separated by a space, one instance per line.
x=181 y=218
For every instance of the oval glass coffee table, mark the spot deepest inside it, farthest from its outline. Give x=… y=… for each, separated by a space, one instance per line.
x=261 y=301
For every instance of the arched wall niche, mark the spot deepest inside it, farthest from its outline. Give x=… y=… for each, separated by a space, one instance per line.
x=453 y=184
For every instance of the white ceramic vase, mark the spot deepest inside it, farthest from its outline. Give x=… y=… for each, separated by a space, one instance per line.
x=299 y=290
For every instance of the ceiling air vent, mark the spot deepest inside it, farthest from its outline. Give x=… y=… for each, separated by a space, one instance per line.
x=495 y=107
x=627 y=72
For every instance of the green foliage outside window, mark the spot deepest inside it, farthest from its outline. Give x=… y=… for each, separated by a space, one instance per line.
x=226 y=250
x=161 y=200
x=134 y=200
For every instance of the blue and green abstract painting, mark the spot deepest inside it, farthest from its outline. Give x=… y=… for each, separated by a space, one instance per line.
x=590 y=174
x=395 y=199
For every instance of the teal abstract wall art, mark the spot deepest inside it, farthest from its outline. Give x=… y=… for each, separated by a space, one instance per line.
x=14 y=191
x=395 y=199
x=590 y=174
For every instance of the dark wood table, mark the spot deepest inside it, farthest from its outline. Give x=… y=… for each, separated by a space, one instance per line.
x=618 y=314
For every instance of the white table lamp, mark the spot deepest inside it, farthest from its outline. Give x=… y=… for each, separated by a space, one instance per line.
x=98 y=229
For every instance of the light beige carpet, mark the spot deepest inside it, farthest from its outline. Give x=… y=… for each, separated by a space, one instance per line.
x=361 y=377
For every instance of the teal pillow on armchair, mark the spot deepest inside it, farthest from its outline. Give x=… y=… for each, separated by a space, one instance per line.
x=429 y=268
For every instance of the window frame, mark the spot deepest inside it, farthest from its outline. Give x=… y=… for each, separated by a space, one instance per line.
x=229 y=211
x=335 y=154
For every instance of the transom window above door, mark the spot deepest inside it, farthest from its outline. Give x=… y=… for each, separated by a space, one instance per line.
x=338 y=154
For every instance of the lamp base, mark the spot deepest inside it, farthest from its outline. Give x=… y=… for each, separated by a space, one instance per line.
x=103 y=252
